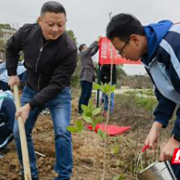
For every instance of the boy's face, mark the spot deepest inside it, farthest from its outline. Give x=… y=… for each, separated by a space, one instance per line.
x=52 y=25
x=131 y=49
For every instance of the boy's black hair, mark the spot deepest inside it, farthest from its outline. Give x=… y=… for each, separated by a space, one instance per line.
x=81 y=47
x=122 y=26
x=52 y=6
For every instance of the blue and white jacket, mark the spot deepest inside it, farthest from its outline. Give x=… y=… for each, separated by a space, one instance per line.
x=162 y=62
x=3 y=71
x=6 y=118
x=4 y=94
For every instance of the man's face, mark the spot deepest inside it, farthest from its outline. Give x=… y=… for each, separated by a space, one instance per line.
x=84 y=48
x=52 y=25
x=130 y=49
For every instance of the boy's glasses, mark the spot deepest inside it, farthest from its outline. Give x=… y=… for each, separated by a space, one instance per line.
x=122 y=49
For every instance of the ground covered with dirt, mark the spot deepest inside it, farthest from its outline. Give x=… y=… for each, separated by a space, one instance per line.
x=88 y=147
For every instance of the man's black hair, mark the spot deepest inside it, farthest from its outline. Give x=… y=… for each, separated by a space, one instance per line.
x=52 y=6
x=81 y=47
x=122 y=26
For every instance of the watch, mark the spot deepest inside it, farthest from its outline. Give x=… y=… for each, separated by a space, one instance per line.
x=177 y=138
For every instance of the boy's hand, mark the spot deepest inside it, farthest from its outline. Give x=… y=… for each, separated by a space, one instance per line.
x=153 y=135
x=168 y=150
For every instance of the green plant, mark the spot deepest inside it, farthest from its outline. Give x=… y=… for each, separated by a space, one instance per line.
x=92 y=115
x=105 y=88
x=77 y=128
x=120 y=177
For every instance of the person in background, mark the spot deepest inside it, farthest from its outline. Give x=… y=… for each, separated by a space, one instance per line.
x=7 y=118
x=50 y=58
x=87 y=75
x=21 y=72
x=105 y=77
x=158 y=47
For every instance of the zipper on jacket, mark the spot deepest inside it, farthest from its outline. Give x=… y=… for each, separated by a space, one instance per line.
x=40 y=51
x=39 y=79
x=37 y=62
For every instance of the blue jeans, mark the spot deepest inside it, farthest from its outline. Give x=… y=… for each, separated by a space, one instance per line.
x=60 y=108
x=86 y=89
x=106 y=102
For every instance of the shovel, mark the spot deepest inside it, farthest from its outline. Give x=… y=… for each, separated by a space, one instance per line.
x=25 y=154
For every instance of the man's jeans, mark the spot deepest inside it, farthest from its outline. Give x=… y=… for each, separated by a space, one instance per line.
x=106 y=102
x=60 y=108
x=86 y=88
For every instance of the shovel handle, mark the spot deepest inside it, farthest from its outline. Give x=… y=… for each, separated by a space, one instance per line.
x=145 y=147
x=17 y=97
x=22 y=133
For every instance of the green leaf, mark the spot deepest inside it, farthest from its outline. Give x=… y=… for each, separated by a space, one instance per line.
x=90 y=105
x=79 y=125
x=113 y=88
x=103 y=88
x=84 y=108
x=96 y=86
x=72 y=129
x=120 y=164
x=116 y=149
x=107 y=88
x=97 y=120
x=86 y=118
x=102 y=134
x=88 y=114
x=93 y=125
x=96 y=111
x=120 y=177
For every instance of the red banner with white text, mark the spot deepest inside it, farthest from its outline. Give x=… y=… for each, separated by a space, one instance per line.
x=108 y=54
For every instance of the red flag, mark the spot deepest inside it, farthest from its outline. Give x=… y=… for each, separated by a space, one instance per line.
x=108 y=54
x=176 y=157
x=111 y=130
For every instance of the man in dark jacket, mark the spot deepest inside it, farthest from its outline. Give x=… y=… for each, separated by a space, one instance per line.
x=158 y=47
x=105 y=77
x=87 y=72
x=50 y=59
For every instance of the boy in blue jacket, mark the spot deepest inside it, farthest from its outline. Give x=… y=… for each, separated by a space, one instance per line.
x=158 y=47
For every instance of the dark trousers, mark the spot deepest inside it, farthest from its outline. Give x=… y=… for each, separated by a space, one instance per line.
x=4 y=86
x=86 y=89
x=7 y=117
x=176 y=169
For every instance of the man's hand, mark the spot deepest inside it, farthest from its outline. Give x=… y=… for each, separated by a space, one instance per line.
x=168 y=150
x=13 y=80
x=23 y=112
x=153 y=135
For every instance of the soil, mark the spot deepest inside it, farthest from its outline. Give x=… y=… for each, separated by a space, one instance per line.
x=88 y=148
